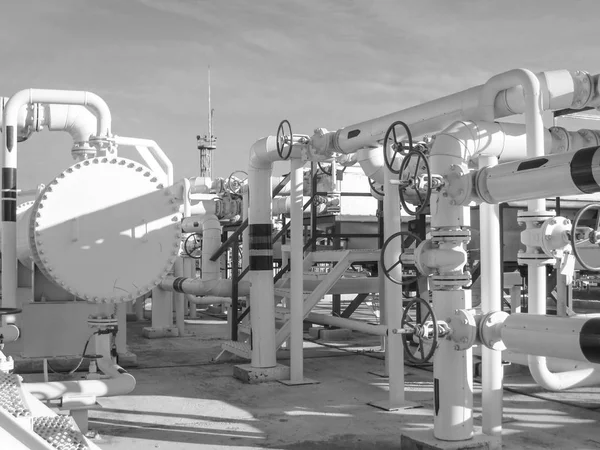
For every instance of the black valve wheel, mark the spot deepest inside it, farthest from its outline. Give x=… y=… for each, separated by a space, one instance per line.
x=422 y=332
x=9 y=311
x=235 y=183
x=391 y=142
x=589 y=236
x=325 y=170
x=408 y=180
x=284 y=139
x=192 y=246
x=376 y=187
x=407 y=239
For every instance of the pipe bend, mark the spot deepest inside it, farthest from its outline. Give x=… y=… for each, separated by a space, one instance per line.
x=372 y=164
x=101 y=110
x=561 y=380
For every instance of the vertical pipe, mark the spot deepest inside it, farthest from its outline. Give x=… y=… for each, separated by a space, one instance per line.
x=233 y=309
x=491 y=289
x=245 y=234
x=393 y=294
x=121 y=337
x=381 y=276
x=179 y=298
x=189 y=270
x=296 y=262
x=139 y=308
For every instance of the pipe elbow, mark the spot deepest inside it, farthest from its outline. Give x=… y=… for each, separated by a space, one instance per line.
x=75 y=120
x=372 y=163
x=262 y=153
x=101 y=110
x=562 y=380
x=516 y=77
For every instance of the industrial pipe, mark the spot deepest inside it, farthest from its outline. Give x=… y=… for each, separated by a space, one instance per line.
x=350 y=324
x=9 y=169
x=564 y=90
x=262 y=155
x=196 y=287
x=153 y=156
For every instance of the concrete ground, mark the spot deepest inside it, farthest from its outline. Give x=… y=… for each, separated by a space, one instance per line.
x=184 y=401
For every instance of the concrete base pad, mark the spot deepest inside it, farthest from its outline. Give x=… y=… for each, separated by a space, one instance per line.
x=424 y=440
x=255 y=375
x=385 y=405
x=127 y=359
x=338 y=334
x=155 y=333
x=302 y=382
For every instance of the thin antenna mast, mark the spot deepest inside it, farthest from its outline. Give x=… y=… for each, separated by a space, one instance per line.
x=207 y=143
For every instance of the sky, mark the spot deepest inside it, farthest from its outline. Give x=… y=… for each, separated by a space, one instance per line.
x=317 y=63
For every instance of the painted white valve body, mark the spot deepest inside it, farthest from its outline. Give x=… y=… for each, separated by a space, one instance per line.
x=104 y=230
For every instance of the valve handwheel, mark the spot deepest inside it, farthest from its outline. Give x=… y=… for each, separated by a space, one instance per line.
x=282 y=139
x=408 y=180
x=192 y=246
x=396 y=145
x=387 y=271
x=591 y=235
x=234 y=183
x=421 y=331
x=324 y=170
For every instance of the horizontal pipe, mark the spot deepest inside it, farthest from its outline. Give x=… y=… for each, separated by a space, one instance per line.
x=195 y=286
x=341 y=322
x=119 y=383
x=207 y=300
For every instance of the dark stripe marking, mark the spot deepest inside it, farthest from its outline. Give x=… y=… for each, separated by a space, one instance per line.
x=9 y=178
x=10 y=137
x=9 y=210
x=581 y=170
x=261 y=262
x=589 y=340
x=121 y=370
x=353 y=134
x=532 y=164
x=436 y=395
x=178 y=284
x=261 y=236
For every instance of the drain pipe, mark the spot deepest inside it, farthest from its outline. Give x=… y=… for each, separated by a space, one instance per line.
x=9 y=169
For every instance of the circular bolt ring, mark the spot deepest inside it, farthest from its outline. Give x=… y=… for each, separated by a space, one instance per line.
x=405 y=281
x=574 y=241
x=407 y=322
x=9 y=311
x=281 y=139
x=424 y=200
x=372 y=184
x=322 y=169
x=197 y=245
x=397 y=145
x=235 y=186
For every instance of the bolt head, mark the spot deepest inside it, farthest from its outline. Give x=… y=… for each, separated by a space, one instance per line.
x=457 y=347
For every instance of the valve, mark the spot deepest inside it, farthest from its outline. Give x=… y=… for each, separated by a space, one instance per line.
x=234 y=184
x=405 y=281
x=396 y=146
x=376 y=189
x=283 y=140
x=419 y=331
x=325 y=170
x=192 y=246
x=417 y=181
x=586 y=235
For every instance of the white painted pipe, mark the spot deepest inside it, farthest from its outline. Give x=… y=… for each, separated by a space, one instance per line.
x=452 y=369
x=564 y=90
x=372 y=163
x=197 y=287
x=491 y=300
x=209 y=300
x=296 y=271
x=76 y=120
x=262 y=155
x=9 y=169
x=178 y=299
x=350 y=324
x=392 y=223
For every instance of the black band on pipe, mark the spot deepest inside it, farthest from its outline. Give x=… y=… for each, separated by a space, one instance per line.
x=9 y=179
x=9 y=210
x=532 y=164
x=261 y=262
x=10 y=137
x=261 y=236
x=178 y=284
x=581 y=170
x=589 y=340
